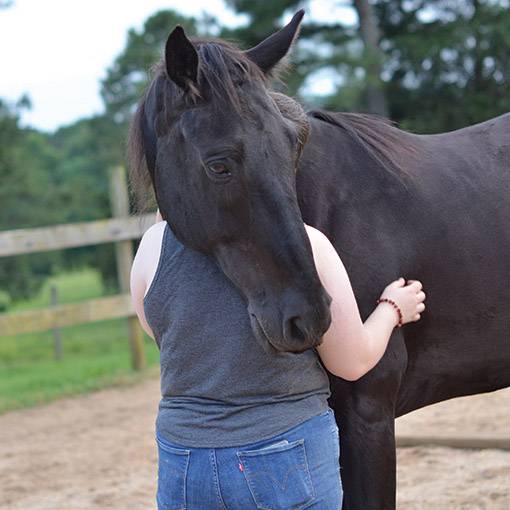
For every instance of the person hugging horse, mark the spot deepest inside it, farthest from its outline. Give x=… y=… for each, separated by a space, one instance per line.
x=240 y=427
x=249 y=306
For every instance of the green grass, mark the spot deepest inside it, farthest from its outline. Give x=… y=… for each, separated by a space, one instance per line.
x=94 y=356
x=71 y=287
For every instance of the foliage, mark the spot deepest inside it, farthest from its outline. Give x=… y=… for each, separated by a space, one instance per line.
x=448 y=62
x=5 y=300
x=81 y=175
x=63 y=177
x=25 y=194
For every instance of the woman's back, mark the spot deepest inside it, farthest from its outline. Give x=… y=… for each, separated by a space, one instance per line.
x=219 y=387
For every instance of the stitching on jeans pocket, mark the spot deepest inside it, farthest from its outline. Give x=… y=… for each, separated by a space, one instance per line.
x=172 y=473
x=278 y=477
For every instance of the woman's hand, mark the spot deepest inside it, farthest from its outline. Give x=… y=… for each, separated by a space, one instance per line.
x=409 y=298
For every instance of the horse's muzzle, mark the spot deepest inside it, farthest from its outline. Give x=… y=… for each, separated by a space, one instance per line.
x=295 y=331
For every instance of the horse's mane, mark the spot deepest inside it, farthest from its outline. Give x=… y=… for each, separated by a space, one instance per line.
x=378 y=136
x=222 y=69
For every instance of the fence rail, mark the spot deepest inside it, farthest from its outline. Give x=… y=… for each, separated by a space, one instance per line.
x=59 y=316
x=34 y=240
x=121 y=230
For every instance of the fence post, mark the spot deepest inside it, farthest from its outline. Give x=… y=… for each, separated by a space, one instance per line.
x=119 y=201
x=57 y=332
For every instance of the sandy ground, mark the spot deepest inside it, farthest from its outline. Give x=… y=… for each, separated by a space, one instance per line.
x=439 y=478
x=98 y=452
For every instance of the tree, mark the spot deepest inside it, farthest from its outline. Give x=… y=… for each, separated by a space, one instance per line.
x=448 y=62
x=82 y=179
x=373 y=57
x=25 y=194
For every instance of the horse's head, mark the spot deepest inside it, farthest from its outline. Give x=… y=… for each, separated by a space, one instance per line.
x=221 y=151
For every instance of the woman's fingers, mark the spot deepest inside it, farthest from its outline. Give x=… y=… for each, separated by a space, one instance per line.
x=398 y=283
x=415 y=285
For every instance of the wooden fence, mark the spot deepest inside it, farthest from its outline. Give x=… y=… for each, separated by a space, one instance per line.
x=121 y=230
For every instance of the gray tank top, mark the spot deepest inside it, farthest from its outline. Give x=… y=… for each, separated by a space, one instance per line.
x=219 y=387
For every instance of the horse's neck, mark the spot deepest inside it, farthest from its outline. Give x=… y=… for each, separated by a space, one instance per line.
x=334 y=164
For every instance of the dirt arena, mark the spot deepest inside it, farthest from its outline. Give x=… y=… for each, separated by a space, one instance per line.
x=98 y=452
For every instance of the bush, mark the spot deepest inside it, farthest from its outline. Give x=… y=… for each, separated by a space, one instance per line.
x=5 y=300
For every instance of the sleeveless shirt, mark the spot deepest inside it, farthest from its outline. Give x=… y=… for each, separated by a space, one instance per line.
x=219 y=387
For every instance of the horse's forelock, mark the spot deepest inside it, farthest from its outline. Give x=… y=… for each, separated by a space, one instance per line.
x=222 y=69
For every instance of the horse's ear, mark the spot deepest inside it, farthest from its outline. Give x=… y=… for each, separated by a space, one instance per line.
x=270 y=51
x=181 y=59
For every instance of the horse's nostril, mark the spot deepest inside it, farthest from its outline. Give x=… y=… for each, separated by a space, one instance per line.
x=296 y=333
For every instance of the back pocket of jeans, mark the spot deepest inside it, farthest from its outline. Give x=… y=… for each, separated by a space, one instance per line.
x=278 y=477
x=172 y=472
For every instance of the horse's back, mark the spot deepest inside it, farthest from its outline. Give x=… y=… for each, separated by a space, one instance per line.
x=491 y=126
x=478 y=149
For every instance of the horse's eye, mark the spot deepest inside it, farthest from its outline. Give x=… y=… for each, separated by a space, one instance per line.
x=218 y=168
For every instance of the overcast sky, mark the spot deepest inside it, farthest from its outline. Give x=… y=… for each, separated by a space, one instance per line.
x=57 y=51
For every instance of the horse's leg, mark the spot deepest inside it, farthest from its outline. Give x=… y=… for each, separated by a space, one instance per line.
x=365 y=414
x=368 y=458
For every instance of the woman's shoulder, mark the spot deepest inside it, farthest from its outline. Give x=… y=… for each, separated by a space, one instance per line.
x=148 y=254
x=154 y=234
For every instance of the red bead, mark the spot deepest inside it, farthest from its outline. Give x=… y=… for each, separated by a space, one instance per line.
x=392 y=303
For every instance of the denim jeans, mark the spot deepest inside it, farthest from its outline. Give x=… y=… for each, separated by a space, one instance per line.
x=298 y=469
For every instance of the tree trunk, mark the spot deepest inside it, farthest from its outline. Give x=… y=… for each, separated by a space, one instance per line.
x=369 y=31
x=479 y=53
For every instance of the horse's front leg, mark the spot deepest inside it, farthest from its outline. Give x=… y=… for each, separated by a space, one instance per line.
x=365 y=412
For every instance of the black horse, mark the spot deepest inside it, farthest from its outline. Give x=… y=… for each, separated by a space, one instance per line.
x=237 y=168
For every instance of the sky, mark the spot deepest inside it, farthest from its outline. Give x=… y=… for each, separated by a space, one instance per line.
x=57 y=51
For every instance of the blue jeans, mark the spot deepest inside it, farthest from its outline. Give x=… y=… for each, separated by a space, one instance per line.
x=295 y=470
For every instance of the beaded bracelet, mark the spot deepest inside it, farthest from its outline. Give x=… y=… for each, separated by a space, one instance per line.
x=392 y=303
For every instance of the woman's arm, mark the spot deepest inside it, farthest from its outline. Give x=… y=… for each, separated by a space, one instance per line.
x=351 y=348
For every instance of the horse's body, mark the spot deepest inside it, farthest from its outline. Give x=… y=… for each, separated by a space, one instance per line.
x=446 y=224
x=435 y=208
